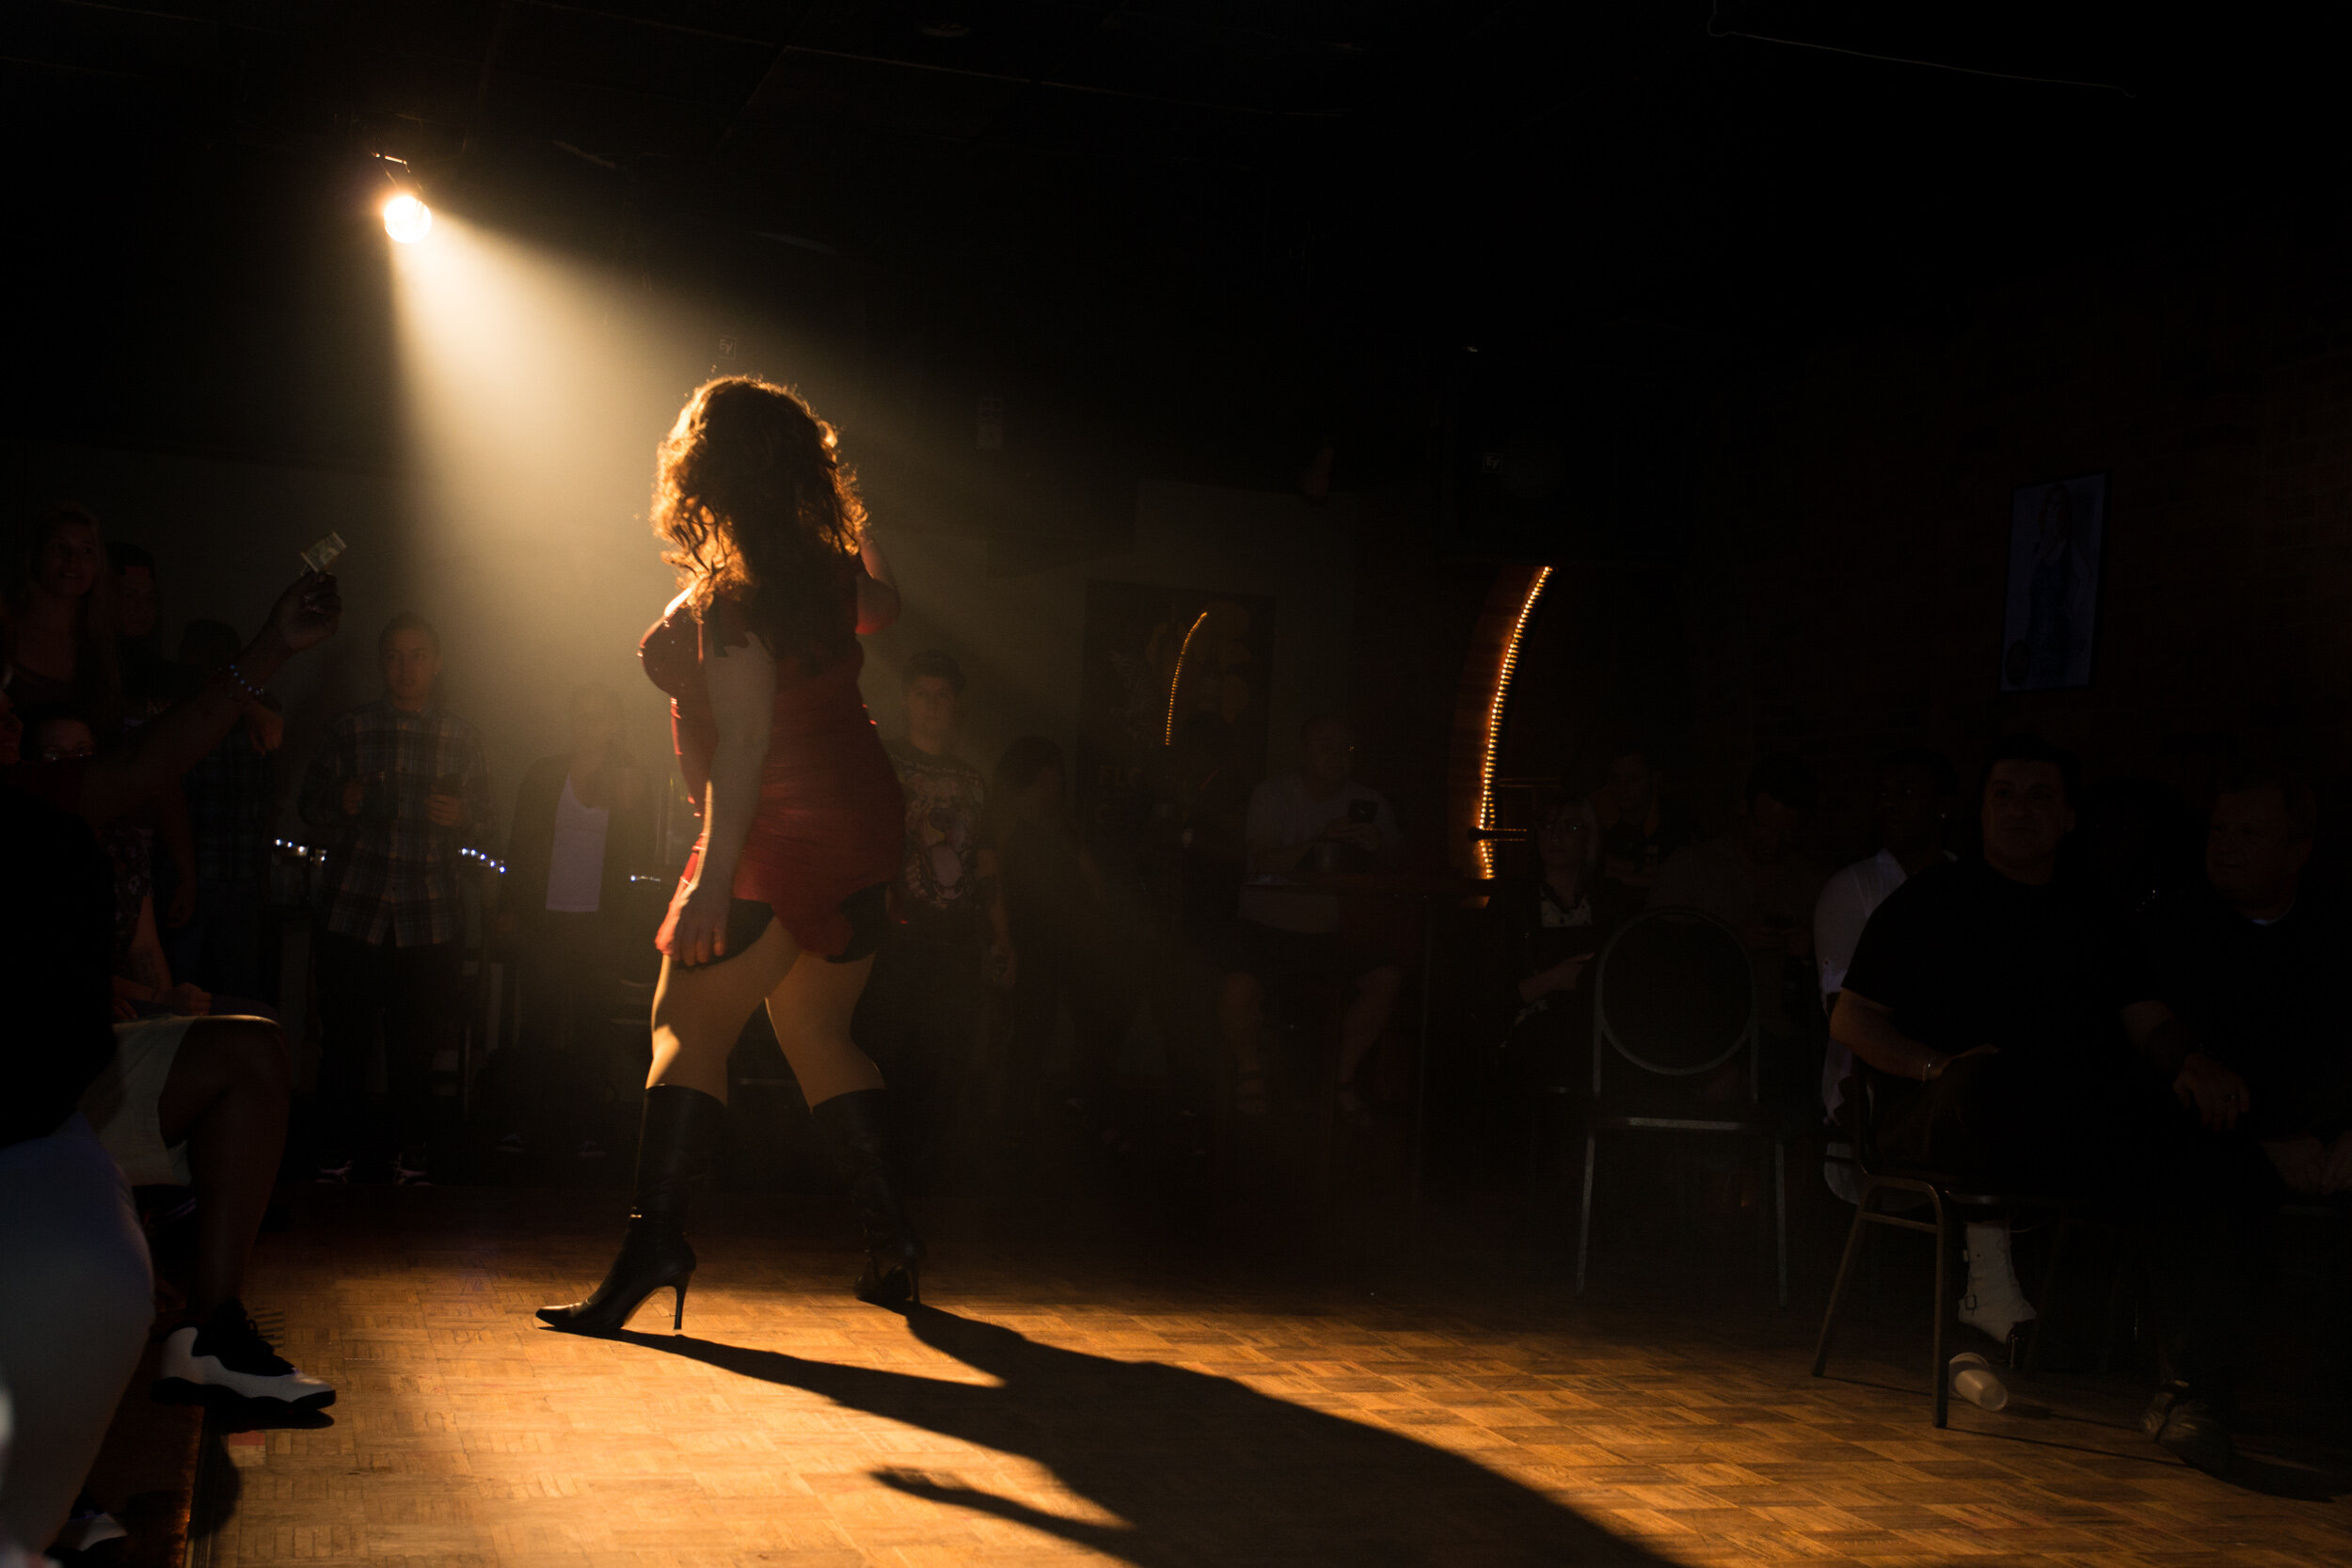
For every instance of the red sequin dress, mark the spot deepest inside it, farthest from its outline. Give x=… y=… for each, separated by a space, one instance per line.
x=831 y=819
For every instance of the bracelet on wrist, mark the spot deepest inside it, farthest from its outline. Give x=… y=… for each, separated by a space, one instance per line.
x=236 y=678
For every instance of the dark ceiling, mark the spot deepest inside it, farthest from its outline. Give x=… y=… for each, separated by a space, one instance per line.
x=1244 y=228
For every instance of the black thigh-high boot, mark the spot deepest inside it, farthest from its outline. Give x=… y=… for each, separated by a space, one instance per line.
x=852 y=1126
x=681 y=1132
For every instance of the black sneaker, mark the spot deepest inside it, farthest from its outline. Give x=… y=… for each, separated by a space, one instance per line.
x=335 y=1170
x=2193 y=1430
x=409 y=1169
x=225 y=1355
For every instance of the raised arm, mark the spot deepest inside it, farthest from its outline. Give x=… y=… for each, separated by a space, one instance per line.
x=176 y=739
x=741 y=681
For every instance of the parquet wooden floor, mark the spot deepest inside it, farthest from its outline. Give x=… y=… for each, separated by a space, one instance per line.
x=1065 y=1403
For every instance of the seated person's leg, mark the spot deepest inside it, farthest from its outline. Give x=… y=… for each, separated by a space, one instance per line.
x=75 y=1302
x=225 y=1097
x=1984 y=1117
x=1367 y=1018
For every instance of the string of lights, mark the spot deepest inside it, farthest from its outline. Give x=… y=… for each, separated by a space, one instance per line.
x=305 y=851
x=1176 y=681
x=1494 y=718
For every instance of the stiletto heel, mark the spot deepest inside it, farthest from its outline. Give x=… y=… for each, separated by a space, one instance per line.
x=674 y=1155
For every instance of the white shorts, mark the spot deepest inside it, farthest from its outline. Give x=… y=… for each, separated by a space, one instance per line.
x=124 y=1102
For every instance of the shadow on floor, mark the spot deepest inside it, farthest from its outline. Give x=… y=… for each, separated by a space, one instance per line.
x=1200 y=1469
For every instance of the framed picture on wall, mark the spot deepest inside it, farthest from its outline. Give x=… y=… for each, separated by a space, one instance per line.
x=2057 y=533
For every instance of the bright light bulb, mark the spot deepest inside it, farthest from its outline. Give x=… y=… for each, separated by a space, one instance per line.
x=406 y=219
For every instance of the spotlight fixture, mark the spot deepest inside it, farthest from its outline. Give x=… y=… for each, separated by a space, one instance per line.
x=406 y=219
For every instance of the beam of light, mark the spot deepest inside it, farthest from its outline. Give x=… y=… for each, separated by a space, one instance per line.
x=1503 y=667
x=533 y=387
x=407 y=219
x=1177 y=680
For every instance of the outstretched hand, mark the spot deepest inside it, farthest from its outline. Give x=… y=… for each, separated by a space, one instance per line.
x=308 y=612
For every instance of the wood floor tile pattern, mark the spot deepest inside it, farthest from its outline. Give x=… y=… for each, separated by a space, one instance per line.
x=1068 y=1408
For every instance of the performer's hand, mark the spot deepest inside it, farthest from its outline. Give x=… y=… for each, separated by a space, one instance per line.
x=700 y=933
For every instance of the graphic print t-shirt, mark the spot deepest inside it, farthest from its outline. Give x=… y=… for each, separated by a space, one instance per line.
x=940 y=869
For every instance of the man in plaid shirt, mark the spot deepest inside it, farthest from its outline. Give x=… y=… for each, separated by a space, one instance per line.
x=397 y=790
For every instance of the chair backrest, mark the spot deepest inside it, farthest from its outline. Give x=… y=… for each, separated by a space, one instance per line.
x=1674 y=994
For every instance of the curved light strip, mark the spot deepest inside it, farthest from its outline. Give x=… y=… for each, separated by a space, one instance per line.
x=1494 y=718
x=1178 y=679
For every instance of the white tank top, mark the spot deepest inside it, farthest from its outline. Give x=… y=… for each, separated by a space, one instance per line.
x=576 y=866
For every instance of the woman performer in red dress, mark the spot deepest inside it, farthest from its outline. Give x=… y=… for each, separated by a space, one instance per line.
x=784 y=901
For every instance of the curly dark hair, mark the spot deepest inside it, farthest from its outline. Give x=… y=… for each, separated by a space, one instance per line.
x=752 y=497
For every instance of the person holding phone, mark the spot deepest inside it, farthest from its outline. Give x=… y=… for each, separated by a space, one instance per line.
x=785 y=899
x=398 y=790
x=1316 y=819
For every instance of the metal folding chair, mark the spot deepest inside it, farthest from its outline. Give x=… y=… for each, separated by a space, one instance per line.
x=1674 y=999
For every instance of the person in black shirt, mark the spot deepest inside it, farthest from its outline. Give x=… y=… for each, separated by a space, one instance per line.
x=2023 y=1011
x=1542 y=935
x=2250 y=962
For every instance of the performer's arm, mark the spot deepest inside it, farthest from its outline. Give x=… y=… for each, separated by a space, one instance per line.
x=742 y=685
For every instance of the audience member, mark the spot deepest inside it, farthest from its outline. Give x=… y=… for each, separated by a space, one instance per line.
x=1318 y=818
x=60 y=627
x=1913 y=799
x=919 y=1018
x=143 y=987
x=1202 y=789
x=231 y=797
x=582 y=824
x=1641 y=828
x=1989 y=991
x=395 y=789
x=149 y=685
x=1544 y=933
x=2250 y=962
x=76 y=1292
x=1756 y=880
x=189 y=1100
x=1063 y=926
x=148 y=682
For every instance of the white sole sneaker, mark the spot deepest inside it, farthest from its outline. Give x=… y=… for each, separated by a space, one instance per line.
x=182 y=1376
